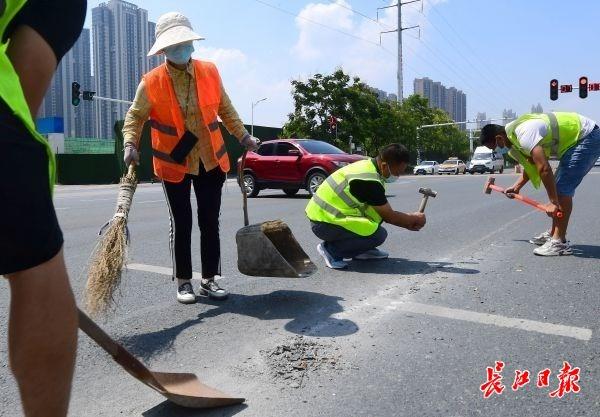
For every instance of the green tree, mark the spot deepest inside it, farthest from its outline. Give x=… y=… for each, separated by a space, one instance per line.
x=370 y=122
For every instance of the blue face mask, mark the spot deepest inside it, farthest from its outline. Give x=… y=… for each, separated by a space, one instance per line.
x=391 y=178
x=179 y=54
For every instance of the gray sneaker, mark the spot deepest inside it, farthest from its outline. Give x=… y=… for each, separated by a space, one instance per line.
x=328 y=258
x=554 y=248
x=372 y=254
x=185 y=294
x=540 y=239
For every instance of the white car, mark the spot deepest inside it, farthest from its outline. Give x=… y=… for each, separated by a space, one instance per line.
x=426 y=167
x=485 y=160
x=597 y=164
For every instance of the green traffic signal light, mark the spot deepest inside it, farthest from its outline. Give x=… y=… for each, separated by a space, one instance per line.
x=75 y=93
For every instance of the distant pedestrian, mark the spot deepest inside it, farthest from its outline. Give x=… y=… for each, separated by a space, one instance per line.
x=42 y=331
x=183 y=99
x=348 y=208
x=532 y=140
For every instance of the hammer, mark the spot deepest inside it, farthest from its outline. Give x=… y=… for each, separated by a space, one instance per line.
x=489 y=186
x=427 y=192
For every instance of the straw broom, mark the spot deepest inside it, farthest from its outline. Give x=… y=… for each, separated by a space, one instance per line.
x=110 y=254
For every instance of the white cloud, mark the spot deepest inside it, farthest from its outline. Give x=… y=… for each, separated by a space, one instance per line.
x=361 y=55
x=245 y=81
x=221 y=56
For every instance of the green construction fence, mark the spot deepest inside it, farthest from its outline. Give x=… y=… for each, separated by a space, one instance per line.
x=97 y=168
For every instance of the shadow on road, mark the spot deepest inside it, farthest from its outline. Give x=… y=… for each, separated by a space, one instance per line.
x=586 y=251
x=168 y=409
x=310 y=315
x=391 y=266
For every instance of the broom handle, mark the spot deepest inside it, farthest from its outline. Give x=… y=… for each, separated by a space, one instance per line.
x=243 y=187
x=129 y=362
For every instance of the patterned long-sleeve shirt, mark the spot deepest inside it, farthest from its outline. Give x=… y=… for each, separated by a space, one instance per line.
x=184 y=84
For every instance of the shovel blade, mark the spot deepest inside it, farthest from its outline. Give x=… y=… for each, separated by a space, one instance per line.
x=186 y=390
x=270 y=249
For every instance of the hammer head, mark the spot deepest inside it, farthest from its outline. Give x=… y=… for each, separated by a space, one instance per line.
x=486 y=188
x=428 y=192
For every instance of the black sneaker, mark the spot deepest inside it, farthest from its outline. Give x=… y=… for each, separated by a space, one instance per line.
x=185 y=294
x=210 y=288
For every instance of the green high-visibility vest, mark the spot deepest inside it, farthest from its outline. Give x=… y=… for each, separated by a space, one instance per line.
x=563 y=133
x=10 y=86
x=333 y=203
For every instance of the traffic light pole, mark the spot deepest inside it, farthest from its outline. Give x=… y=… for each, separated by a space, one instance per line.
x=113 y=100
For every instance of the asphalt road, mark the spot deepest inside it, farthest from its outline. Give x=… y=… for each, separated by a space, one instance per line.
x=408 y=336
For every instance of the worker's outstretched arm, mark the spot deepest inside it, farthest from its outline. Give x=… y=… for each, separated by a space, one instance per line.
x=517 y=186
x=410 y=221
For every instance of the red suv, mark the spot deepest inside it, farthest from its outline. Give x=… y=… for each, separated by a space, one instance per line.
x=292 y=164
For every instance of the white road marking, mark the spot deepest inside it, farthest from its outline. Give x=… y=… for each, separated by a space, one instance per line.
x=62 y=208
x=494 y=320
x=160 y=270
x=150 y=201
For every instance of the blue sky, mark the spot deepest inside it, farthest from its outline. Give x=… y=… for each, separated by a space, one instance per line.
x=502 y=54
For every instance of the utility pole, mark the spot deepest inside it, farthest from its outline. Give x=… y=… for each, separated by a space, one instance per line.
x=399 y=75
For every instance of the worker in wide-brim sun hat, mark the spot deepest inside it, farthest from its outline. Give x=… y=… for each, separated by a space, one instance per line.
x=183 y=99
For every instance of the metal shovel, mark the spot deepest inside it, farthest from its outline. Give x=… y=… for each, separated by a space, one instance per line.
x=269 y=249
x=182 y=389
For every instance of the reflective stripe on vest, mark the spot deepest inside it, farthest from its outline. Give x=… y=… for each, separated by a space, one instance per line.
x=168 y=130
x=333 y=203
x=10 y=87
x=555 y=133
x=167 y=122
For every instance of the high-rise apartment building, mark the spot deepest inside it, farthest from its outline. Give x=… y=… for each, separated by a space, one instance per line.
x=75 y=66
x=122 y=37
x=451 y=100
x=508 y=115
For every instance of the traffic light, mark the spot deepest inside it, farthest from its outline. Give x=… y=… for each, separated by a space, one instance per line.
x=88 y=95
x=583 y=87
x=75 y=93
x=554 y=89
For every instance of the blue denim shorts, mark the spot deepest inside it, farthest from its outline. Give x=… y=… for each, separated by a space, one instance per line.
x=577 y=162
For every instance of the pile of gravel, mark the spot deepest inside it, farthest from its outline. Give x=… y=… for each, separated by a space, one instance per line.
x=290 y=362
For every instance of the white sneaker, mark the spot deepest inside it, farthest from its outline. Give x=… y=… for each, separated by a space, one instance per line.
x=185 y=293
x=540 y=239
x=554 y=248
x=372 y=254
x=329 y=260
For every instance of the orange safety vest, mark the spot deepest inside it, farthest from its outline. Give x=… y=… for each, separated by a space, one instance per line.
x=167 y=123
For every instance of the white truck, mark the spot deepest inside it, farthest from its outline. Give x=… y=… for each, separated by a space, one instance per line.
x=485 y=160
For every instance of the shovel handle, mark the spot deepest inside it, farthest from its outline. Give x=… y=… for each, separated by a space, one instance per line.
x=243 y=187
x=118 y=352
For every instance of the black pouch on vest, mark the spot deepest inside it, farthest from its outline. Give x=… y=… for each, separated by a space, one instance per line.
x=184 y=147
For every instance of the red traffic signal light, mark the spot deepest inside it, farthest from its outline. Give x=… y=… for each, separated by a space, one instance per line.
x=554 y=89
x=583 y=87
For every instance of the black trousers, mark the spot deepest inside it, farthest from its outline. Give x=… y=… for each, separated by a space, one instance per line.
x=207 y=188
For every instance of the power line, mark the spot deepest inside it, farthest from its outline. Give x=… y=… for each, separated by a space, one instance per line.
x=315 y=22
x=460 y=38
x=354 y=11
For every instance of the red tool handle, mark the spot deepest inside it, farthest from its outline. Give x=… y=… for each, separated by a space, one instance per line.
x=526 y=200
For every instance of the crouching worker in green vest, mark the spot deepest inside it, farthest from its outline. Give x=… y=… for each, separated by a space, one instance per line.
x=348 y=208
x=531 y=140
